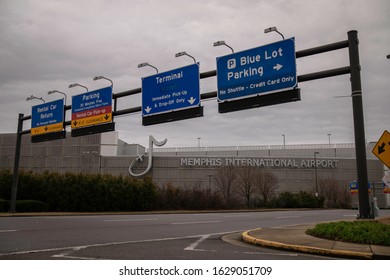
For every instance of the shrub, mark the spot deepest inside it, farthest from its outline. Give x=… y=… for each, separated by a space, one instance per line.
x=297 y=200
x=364 y=232
x=4 y=205
x=31 y=206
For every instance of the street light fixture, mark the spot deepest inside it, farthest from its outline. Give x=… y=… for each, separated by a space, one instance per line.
x=388 y=56
x=284 y=141
x=54 y=91
x=184 y=53
x=271 y=29
x=102 y=77
x=77 y=85
x=146 y=64
x=34 y=97
x=329 y=134
x=222 y=43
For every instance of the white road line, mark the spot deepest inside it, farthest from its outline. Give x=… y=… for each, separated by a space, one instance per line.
x=192 y=246
x=8 y=230
x=200 y=222
x=287 y=217
x=131 y=220
x=70 y=217
x=114 y=243
x=237 y=216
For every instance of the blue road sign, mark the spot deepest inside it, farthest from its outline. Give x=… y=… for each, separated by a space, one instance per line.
x=257 y=71
x=46 y=117
x=92 y=100
x=91 y=108
x=173 y=90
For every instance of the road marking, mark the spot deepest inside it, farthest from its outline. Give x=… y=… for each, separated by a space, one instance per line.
x=71 y=217
x=114 y=243
x=200 y=222
x=8 y=230
x=287 y=217
x=131 y=220
x=192 y=246
x=237 y=216
x=66 y=254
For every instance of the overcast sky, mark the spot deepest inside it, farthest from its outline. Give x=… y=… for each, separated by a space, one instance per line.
x=47 y=45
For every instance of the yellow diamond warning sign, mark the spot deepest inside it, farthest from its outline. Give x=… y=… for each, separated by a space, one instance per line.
x=382 y=148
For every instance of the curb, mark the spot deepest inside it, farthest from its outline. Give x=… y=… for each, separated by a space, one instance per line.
x=301 y=248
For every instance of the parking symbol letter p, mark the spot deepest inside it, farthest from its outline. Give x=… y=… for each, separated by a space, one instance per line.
x=231 y=63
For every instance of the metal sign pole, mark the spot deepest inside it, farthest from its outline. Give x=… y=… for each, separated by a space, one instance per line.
x=15 y=177
x=358 y=122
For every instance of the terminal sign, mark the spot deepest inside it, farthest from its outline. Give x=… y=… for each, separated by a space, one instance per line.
x=92 y=108
x=170 y=91
x=260 y=70
x=47 y=117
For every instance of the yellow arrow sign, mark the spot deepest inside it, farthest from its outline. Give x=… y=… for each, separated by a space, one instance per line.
x=47 y=128
x=382 y=148
x=83 y=122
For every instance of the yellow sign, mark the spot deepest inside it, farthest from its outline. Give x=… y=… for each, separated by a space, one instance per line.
x=83 y=122
x=382 y=148
x=47 y=128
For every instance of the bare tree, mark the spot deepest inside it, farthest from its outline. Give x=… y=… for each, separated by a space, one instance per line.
x=335 y=193
x=246 y=181
x=266 y=182
x=225 y=180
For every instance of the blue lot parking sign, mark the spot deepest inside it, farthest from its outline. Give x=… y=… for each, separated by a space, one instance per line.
x=170 y=91
x=256 y=71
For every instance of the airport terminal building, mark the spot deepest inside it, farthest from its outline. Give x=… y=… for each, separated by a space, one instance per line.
x=297 y=167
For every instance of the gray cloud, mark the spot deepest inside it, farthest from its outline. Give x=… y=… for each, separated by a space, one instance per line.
x=47 y=45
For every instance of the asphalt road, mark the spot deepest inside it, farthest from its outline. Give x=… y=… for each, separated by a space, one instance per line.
x=151 y=236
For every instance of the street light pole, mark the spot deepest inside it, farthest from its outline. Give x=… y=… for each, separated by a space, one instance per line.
x=315 y=172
